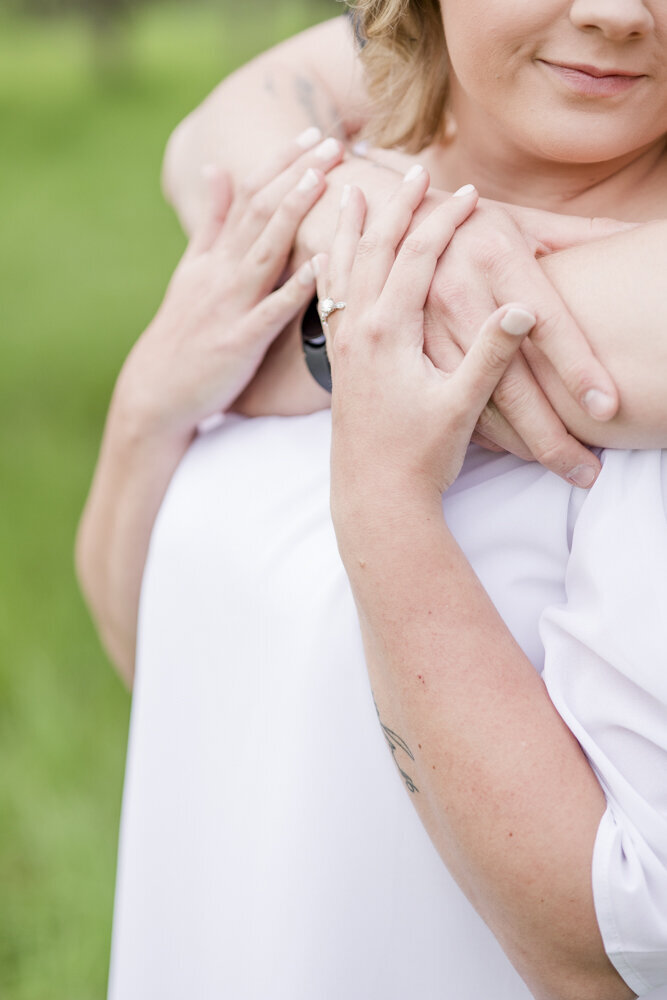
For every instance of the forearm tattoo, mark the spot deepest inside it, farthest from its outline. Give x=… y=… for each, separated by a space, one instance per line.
x=396 y=744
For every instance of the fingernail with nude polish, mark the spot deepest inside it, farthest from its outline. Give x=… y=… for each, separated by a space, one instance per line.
x=517 y=322
x=415 y=171
x=308 y=137
x=582 y=475
x=598 y=404
x=327 y=149
x=463 y=191
x=309 y=180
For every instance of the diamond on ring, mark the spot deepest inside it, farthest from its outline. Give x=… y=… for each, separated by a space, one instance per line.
x=327 y=307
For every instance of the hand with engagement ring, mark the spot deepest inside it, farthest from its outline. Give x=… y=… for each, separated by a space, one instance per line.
x=400 y=424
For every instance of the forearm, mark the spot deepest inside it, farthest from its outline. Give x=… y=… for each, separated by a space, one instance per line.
x=500 y=783
x=615 y=290
x=132 y=475
x=312 y=79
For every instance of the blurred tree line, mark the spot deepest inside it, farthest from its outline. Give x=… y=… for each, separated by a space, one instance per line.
x=107 y=20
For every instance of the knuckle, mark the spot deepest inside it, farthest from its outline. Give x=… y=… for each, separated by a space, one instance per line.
x=496 y=253
x=415 y=246
x=264 y=313
x=577 y=379
x=514 y=394
x=264 y=253
x=375 y=328
x=230 y=340
x=489 y=421
x=247 y=189
x=448 y=295
x=369 y=244
x=547 y=328
x=494 y=356
x=551 y=450
x=259 y=207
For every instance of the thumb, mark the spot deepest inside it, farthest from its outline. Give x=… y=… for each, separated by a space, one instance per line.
x=490 y=355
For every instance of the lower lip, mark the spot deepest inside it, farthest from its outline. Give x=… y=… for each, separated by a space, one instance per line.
x=592 y=86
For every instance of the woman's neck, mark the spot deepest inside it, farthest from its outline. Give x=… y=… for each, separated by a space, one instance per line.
x=633 y=187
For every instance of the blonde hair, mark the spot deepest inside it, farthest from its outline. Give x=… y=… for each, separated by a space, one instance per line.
x=405 y=59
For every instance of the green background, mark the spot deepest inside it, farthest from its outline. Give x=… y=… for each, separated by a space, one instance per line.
x=86 y=248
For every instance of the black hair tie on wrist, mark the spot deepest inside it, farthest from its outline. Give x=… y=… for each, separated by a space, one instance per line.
x=314 y=346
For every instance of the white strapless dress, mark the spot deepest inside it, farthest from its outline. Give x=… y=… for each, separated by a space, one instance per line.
x=268 y=848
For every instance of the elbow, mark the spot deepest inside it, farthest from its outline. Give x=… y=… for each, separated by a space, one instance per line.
x=82 y=561
x=181 y=191
x=172 y=159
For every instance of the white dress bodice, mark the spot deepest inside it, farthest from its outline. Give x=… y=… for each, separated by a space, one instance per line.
x=268 y=848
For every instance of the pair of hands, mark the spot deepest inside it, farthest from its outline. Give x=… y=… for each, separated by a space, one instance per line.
x=220 y=314
x=493 y=259
x=396 y=415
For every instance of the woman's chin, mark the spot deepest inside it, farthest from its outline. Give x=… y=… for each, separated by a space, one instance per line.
x=595 y=144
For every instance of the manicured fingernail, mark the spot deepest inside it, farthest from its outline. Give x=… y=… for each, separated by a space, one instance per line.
x=327 y=149
x=309 y=180
x=345 y=196
x=463 y=191
x=582 y=475
x=306 y=273
x=308 y=137
x=415 y=170
x=315 y=264
x=517 y=322
x=208 y=171
x=598 y=404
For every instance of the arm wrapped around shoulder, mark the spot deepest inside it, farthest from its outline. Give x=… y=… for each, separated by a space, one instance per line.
x=606 y=672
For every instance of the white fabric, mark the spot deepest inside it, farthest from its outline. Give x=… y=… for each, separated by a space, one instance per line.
x=268 y=847
x=606 y=672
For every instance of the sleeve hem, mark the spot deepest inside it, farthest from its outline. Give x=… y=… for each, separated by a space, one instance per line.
x=604 y=906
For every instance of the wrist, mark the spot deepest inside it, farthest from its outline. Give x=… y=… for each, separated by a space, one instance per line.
x=141 y=417
x=377 y=511
x=136 y=429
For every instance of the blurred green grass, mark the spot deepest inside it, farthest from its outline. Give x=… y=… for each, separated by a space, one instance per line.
x=86 y=248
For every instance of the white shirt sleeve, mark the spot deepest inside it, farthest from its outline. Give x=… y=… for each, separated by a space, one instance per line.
x=606 y=672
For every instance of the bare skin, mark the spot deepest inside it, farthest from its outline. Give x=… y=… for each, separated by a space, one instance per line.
x=329 y=75
x=499 y=781
x=545 y=923
x=208 y=338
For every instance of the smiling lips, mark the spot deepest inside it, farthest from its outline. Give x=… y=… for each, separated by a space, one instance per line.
x=589 y=81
